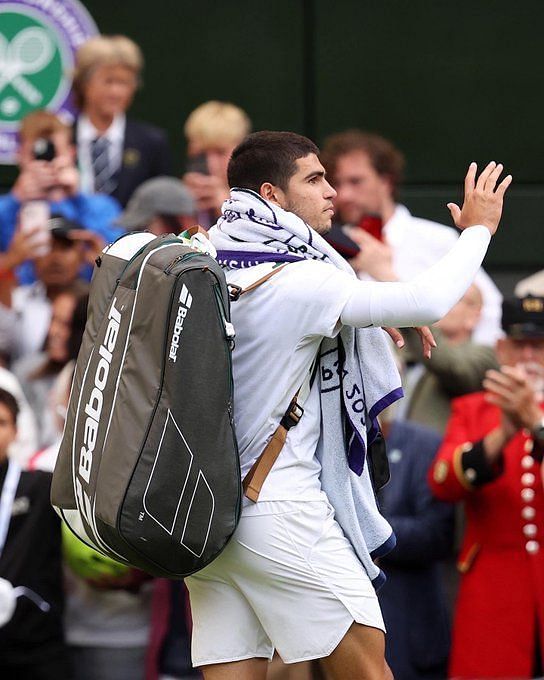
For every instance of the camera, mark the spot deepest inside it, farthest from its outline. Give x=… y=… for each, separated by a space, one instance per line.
x=43 y=150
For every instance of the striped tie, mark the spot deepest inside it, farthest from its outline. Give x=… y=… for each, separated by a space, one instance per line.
x=104 y=182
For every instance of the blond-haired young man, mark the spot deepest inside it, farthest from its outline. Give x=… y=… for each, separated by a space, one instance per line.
x=212 y=131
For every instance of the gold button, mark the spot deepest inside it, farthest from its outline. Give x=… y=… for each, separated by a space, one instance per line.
x=532 y=547
x=530 y=530
x=528 y=446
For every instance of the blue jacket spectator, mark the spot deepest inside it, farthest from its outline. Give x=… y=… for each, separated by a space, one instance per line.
x=48 y=180
x=96 y=213
x=412 y=600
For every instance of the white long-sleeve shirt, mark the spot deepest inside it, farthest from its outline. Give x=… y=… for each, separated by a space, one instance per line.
x=280 y=326
x=427 y=297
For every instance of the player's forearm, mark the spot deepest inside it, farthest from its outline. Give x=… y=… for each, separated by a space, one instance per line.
x=425 y=299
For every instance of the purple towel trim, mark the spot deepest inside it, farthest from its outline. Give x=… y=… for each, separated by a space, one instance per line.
x=236 y=259
x=357 y=448
x=385 y=548
x=378 y=407
x=356 y=452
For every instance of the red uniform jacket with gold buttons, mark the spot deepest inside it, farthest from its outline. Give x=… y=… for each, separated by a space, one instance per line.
x=500 y=606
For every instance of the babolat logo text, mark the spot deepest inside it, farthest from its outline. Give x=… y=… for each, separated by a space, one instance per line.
x=93 y=408
x=186 y=300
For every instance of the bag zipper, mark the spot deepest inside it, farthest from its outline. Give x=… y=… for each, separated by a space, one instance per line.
x=179 y=258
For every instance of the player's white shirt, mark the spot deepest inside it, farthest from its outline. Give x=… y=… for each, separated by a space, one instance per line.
x=281 y=325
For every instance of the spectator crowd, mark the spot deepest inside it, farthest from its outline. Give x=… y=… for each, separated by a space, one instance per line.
x=465 y=591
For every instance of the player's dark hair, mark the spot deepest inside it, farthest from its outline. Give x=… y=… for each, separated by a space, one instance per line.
x=10 y=403
x=267 y=157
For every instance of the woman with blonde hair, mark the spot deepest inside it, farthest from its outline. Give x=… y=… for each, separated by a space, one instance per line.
x=115 y=153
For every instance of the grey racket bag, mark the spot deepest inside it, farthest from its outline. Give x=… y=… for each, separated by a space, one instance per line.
x=148 y=471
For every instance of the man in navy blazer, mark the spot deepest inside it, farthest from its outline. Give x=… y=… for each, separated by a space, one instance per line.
x=412 y=600
x=115 y=153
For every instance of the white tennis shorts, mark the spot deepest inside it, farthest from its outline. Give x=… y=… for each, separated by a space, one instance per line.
x=289 y=579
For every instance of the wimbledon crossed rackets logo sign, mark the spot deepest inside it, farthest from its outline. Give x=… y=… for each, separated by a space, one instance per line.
x=29 y=53
x=38 y=40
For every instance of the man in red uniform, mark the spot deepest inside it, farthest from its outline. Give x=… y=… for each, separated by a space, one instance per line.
x=491 y=458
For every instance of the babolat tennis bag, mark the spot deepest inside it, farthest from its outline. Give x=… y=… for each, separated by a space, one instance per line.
x=148 y=471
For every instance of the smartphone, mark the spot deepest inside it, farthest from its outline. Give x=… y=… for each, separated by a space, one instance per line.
x=43 y=150
x=36 y=215
x=198 y=163
x=373 y=224
x=341 y=242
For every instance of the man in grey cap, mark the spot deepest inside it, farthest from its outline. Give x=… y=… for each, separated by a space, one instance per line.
x=161 y=205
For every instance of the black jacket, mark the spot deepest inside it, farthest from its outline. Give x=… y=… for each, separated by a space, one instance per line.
x=32 y=557
x=146 y=154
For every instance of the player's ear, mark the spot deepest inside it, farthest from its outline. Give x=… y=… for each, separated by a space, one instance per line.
x=272 y=193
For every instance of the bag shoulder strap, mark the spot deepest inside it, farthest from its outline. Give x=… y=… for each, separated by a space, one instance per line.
x=236 y=291
x=255 y=478
x=196 y=229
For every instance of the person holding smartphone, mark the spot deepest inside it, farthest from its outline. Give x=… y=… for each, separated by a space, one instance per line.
x=212 y=130
x=48 y=184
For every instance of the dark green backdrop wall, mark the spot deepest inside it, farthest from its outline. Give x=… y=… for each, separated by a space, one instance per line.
x=449 y=82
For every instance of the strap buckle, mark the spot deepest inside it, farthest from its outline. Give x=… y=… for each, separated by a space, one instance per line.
x=234 y=292
x=293 y=414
